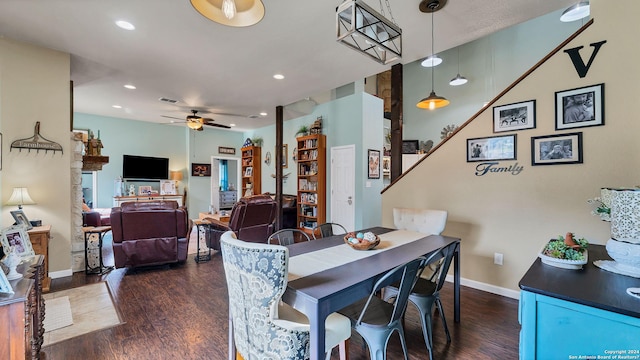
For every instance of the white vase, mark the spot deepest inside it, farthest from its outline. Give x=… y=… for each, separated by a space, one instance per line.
x=624 y=253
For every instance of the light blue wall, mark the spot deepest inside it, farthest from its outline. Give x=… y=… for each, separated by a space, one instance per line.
x=120 y=136
x=490 y=63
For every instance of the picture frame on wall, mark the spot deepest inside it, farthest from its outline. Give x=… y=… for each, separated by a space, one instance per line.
x=556 y=149
x=491 y=148
x=516 y=116
x=17 y=236
x=410 y=146
x=200 y=169
x=386 y=165
x=373 y=157
x=21 y=219
x=581 y=107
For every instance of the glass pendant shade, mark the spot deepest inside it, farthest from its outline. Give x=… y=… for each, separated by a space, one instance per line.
x=576 y=12
x=458 y=80
x=433 y=101
x=431 y=60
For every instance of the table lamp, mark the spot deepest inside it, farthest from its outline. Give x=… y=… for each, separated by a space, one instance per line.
x=175 y=175
x=20 y=197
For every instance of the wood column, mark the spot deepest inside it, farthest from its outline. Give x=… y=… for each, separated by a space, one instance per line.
x=396 y=121
x=278 y=164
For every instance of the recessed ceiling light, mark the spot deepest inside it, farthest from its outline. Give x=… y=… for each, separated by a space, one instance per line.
x=232 y=124
x=129 y=86
x=125 y=25
x=278 y=76
x=116 y=106
x=263 y=114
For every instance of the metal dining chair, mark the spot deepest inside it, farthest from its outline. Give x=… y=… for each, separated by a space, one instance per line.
x=326 y=230
x=426 y=293
x=375 y=319
x=286 y=237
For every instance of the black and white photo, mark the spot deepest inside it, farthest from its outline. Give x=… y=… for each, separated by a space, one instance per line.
x=517 y=116
x=556 y=149
x=580 y=107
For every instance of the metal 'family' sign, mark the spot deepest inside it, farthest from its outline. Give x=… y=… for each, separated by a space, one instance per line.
x=492 y=167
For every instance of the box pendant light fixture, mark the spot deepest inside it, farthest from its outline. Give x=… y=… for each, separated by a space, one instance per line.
x=432 y=101
x=365 y=30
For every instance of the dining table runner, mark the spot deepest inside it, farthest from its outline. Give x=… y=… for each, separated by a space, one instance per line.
x=317 y=261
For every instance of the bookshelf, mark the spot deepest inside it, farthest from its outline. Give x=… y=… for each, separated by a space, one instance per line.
x=251 y=176
x=312 y=181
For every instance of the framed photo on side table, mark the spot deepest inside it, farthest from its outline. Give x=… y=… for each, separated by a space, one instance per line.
x=17 y=236
x=374 y=164
x=517 y=116
x=556 y=149
x=21 y=219
x=580 y=107
x=491 y=148
x=167 y=187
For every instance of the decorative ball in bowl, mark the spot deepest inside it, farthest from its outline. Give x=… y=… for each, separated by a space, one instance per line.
x=362 y=241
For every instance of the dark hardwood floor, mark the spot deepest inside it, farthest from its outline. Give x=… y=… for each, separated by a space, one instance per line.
x=180 y=312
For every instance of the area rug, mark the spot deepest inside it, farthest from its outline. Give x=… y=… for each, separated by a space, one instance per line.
x=92 y=309
x=58 y=313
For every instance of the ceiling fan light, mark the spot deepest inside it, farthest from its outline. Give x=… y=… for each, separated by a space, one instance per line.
x=458 y=80
x=431 y=61
x=195 y=125
x=576 y=12
x=432 y=101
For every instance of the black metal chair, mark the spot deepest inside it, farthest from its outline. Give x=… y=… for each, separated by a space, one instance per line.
x=326 y=229
x=426 y=292
x=375 y=319
x=288 y=236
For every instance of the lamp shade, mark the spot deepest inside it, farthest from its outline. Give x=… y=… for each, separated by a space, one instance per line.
x=576 y=12
x=175 y=175
x=433 y=101
x=236 y=13
x=20 y=196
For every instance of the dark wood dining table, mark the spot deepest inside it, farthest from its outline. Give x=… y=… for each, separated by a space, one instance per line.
x=319 y=294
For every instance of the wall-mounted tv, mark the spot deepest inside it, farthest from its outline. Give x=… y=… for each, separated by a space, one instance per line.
x=145 y=167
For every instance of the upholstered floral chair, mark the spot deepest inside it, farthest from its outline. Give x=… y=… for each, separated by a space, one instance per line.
x=261 y=325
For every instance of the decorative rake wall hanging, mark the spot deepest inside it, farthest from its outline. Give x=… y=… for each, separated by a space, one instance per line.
x=36 y=142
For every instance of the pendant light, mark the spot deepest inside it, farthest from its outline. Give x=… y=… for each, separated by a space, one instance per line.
x=458 y=80
x=576 y=12
x=432 y=101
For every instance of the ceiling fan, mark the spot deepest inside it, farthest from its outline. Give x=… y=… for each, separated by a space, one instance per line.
x=196 y=122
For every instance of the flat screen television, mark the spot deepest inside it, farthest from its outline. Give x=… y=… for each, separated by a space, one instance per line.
x=145 y=167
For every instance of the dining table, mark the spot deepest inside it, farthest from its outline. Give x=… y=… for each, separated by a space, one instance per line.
x=325 y=275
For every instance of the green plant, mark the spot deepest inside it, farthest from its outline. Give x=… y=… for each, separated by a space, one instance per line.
x=257 y=141
x=303 y=130
x=559 y=249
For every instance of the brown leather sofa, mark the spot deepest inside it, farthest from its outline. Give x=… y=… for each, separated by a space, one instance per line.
x=149 y=233
x=251 y=218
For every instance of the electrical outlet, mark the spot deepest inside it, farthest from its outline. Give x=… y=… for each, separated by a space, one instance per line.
x=497 y=258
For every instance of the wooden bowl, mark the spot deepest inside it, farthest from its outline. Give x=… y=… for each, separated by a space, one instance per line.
x=363 y=245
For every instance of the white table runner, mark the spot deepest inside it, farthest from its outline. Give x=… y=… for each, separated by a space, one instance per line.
x=316 y=261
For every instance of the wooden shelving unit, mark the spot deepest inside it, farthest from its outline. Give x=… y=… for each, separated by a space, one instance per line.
x=312 y=181
x=251 y=174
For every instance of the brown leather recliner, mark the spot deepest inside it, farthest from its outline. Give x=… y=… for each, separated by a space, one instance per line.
x=149 y=233
x=252 y=219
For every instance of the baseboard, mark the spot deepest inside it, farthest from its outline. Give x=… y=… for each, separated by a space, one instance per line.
x=514 y=294
x=60 y=274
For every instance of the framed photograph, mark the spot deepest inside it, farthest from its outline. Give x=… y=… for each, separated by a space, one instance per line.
x=491 y=148
x=144 y=190
x=226 y=150
x=580 y=107
x=21 y=219
x=248 y=171
x=517 y=116
x=5 y=285
x=556 y=149
x=374 y=164
x=168 y=187
x=386 y=165
x=17 y=236
x=410 y=146
x=200 y=169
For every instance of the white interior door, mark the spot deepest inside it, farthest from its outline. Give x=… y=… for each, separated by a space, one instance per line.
x=215 y=185
x=343 y=186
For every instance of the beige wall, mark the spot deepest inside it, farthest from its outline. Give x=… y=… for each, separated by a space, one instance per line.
x=516 y=215
x=34 y=86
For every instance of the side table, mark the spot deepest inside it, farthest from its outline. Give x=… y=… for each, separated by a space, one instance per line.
x=202 y=226
x=93 y=250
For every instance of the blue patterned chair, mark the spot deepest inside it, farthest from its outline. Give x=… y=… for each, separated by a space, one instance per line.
x=261 y=325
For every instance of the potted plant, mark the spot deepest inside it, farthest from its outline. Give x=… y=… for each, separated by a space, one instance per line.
x=302 y=131
x=257 y=141
x=565 y=252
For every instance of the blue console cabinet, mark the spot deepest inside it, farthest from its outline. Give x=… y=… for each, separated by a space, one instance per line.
x=578 y=314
